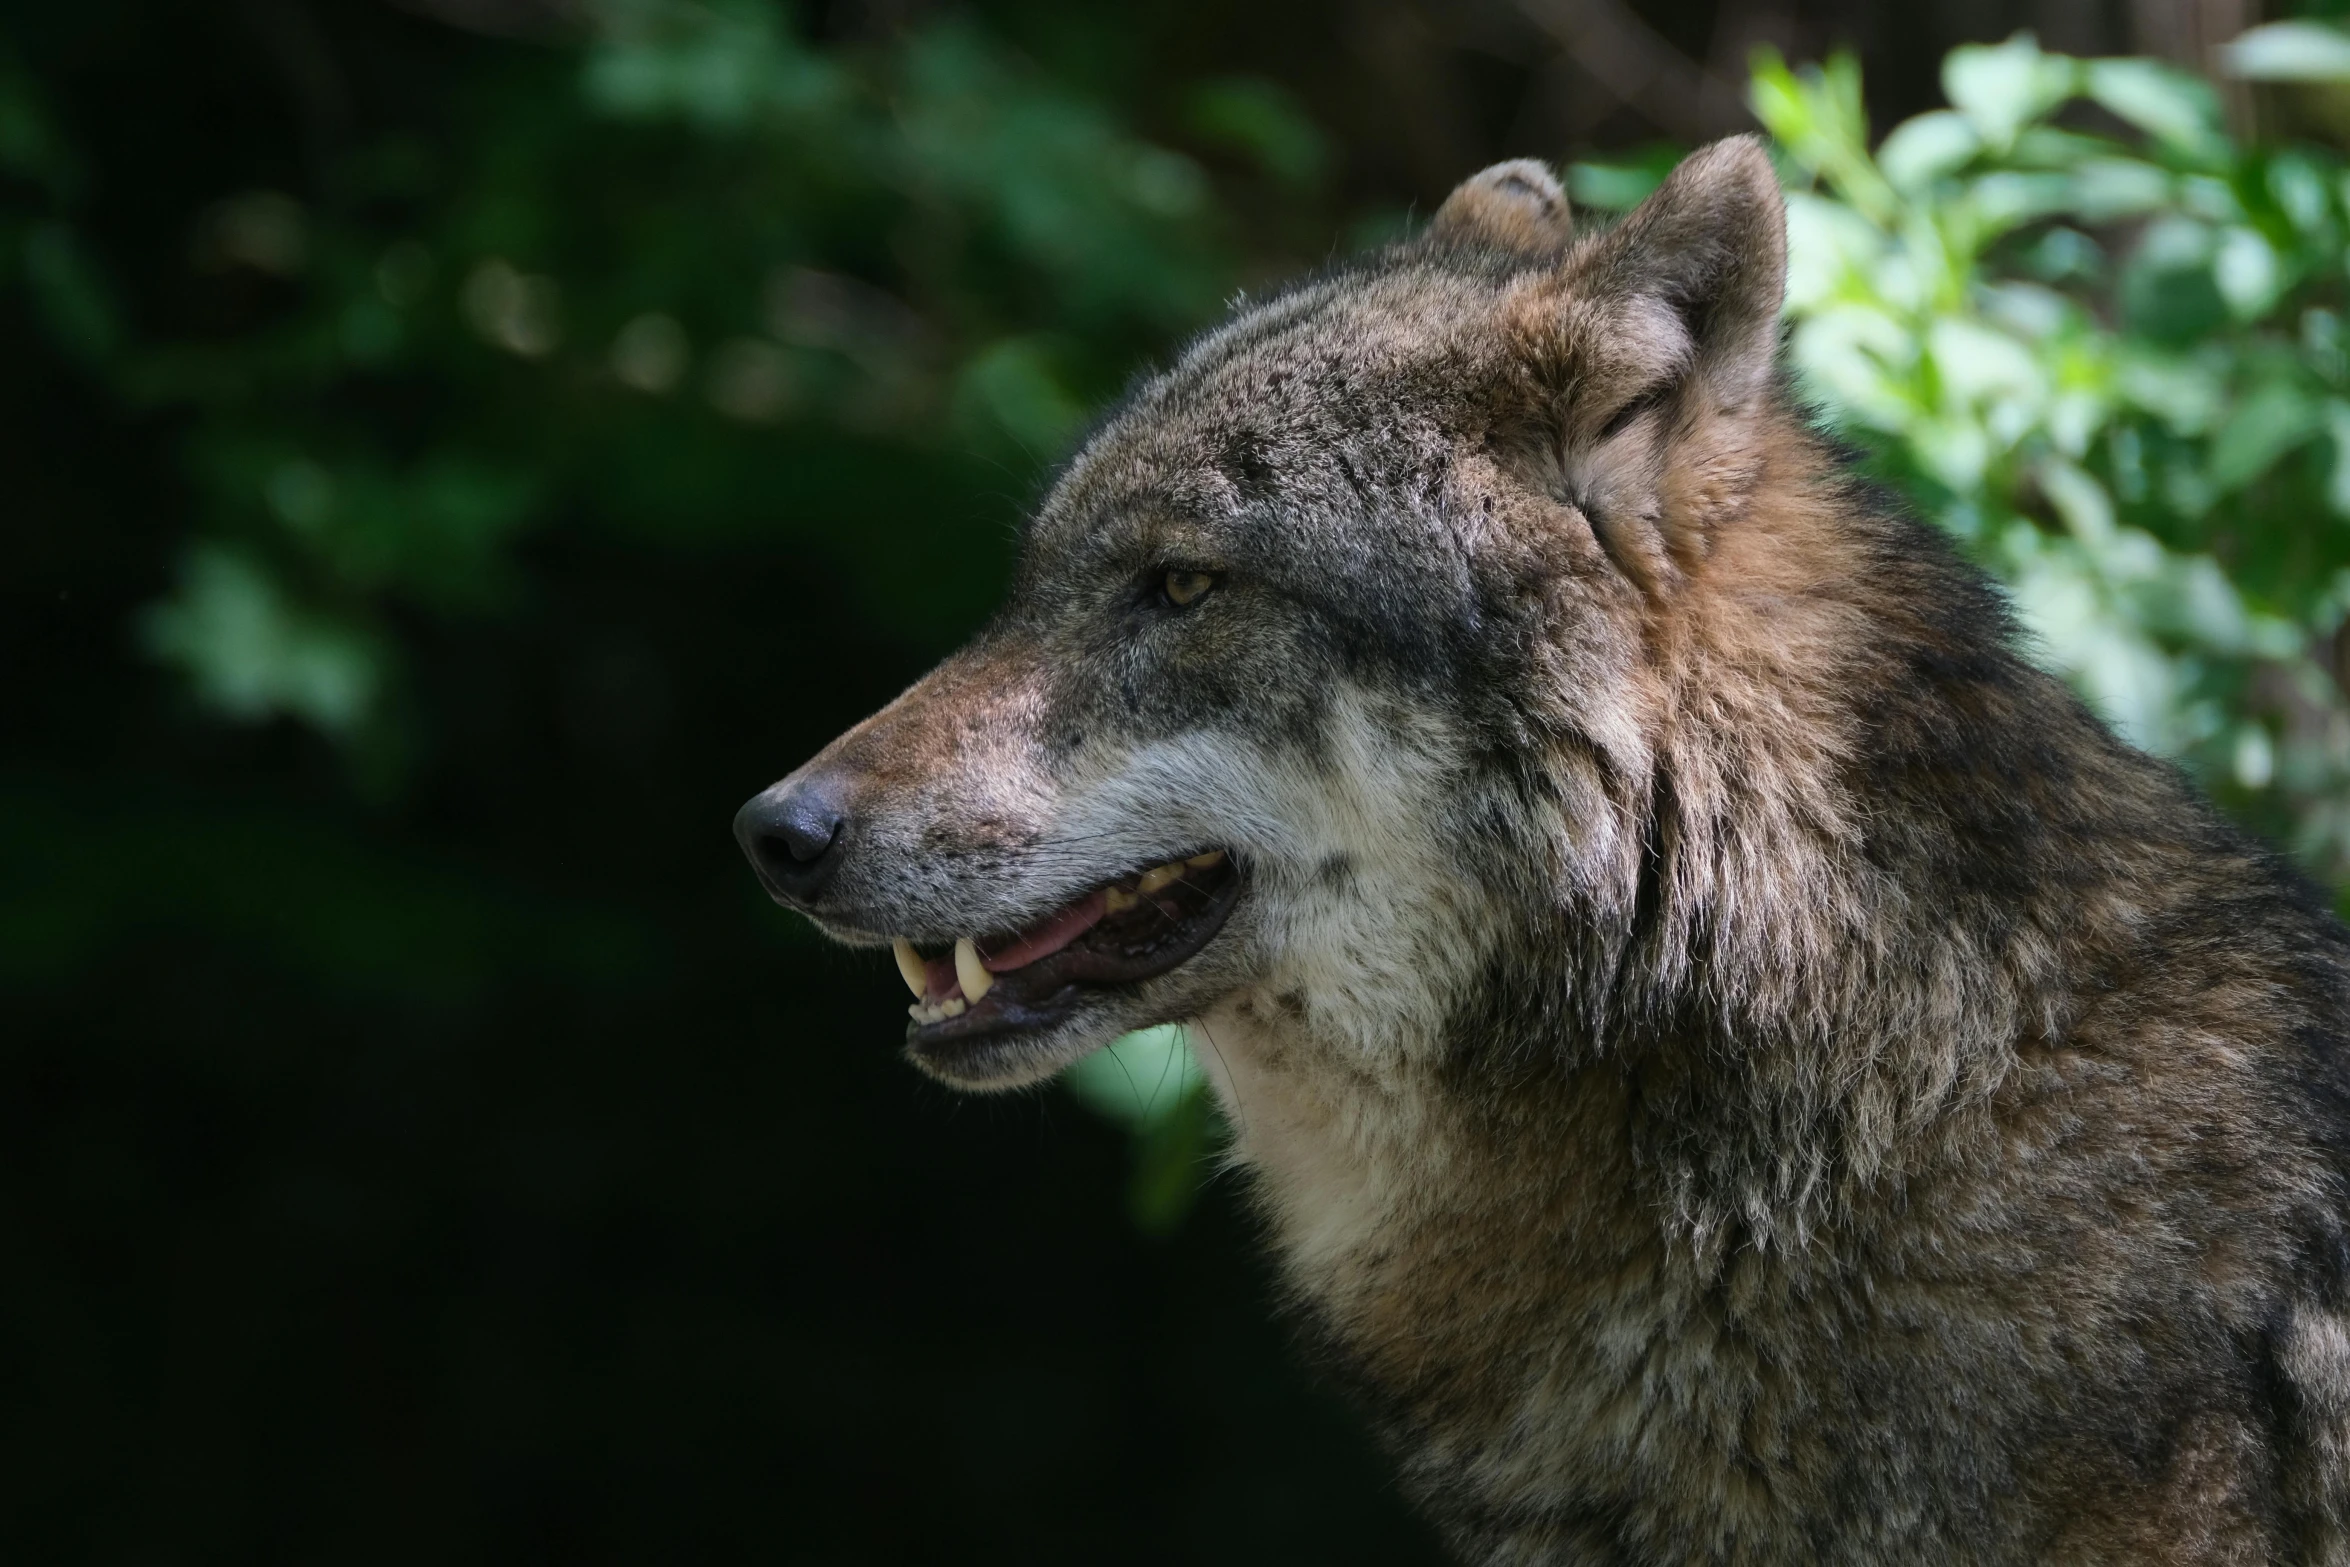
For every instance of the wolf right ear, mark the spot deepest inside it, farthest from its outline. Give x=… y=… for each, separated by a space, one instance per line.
x=1518 y=206
x=1711 y=246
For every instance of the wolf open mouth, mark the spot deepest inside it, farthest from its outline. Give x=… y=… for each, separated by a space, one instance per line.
x=1120 y=933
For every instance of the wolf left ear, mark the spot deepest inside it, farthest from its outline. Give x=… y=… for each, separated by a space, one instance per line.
x=1518 y=206
x=1711 y=246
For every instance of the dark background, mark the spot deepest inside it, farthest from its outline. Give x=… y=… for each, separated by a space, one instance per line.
x=421 y=1140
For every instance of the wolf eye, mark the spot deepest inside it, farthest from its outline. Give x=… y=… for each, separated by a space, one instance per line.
x=1185 y=587
x=1652 y=398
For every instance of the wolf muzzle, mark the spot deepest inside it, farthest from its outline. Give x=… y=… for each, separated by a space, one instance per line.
x=793 y=832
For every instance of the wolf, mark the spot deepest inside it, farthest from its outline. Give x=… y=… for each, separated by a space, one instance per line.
x=1736 y=1064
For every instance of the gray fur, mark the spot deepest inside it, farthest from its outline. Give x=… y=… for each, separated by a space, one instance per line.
x=1737 y=1066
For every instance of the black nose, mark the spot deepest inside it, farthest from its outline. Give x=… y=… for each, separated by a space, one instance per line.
x=792 y=833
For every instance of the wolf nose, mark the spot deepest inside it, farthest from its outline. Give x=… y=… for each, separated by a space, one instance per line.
x=790 y=832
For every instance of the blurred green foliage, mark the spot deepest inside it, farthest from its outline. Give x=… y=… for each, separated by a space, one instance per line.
x=717 y=280
x=2106 y=350
x=931 y=259
x=456 y=482
x=452 y=471
x=716 y=264
x=1150 y=1082
x=2103 y=343
x=2108 y=356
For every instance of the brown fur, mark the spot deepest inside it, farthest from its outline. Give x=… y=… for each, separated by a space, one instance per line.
x=1738 y=1065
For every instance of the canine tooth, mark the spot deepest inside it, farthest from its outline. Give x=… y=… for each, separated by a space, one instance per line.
x=909 y=966
x=1159 y=876
x=1200 y=862
x=1118 y=900
x=952 y=1007
x=973 y=973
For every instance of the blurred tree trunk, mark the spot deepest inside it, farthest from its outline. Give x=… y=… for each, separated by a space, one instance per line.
x=2189 y=33
x=1621 y=56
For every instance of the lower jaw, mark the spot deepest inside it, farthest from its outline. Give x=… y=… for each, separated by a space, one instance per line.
x=1020 y=1051
x=1000 y=1020
x=1011 y=1037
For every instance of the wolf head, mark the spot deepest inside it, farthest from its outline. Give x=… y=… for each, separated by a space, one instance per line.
x=1333 y=651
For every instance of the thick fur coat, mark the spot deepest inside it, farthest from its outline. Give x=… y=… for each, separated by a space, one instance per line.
x=1738 y=1065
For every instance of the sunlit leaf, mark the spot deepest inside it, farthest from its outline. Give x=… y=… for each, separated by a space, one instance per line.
x=1926 y=148
x=1141 y=1079
x=2289 y=51
x=2001 y=88
x=2177 y=109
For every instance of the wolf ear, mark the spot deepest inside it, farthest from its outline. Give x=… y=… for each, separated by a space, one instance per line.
x=1517 y=206
x=1711 y=246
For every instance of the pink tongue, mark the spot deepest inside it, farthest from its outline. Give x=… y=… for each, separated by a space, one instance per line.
x=1048 y=935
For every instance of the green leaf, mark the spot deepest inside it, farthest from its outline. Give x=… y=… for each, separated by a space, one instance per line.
x=253 y=654
x=2289 y=51
x=1830 y=248
x=2001 y=88
x=2338 y=477
x=2248 y=272
x=2179 y=110
x=2005 y=199
x=2063 y=255
x=1976 y=361
x=2271 y=420
x=2080 y=500
x=2297 y=184
x=31 y=147
x=1779 y=101
x=1623 y=185
x=1261 y=120
x=1140 y=1078
x=1014 y=387
x=70 y=297
x=1173 y=1157
x=1822 y=126
x=2107 y=189
x=1927 y=147
x=2168 y=291
x=722 y=68
x=1150 y=1083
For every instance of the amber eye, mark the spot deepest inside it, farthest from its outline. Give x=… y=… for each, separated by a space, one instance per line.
x=1184 y=587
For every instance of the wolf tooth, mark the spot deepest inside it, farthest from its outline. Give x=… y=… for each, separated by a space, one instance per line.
x=1737 y=1065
